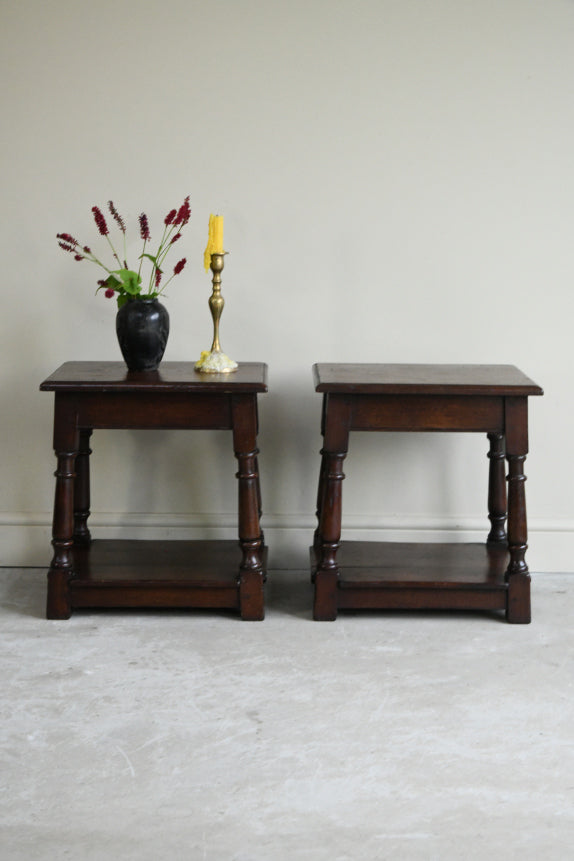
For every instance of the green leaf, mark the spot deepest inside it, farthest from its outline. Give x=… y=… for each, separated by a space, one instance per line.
x=129 y=280
x=122 y=299
x=149 y=257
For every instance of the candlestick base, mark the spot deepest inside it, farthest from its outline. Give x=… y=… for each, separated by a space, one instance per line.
x=215 y=362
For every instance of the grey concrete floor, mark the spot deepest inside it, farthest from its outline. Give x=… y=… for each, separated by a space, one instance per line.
x=172 y=735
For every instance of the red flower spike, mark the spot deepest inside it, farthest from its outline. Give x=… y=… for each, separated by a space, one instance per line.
x=67 y=238
x=179 y=266
x=174 y=221
x=144 y=227
x=116 y=216
x=100 y=221
x=184 y=213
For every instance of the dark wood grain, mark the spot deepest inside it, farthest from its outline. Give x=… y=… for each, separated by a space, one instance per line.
x=491 y=399
x=414 y=576
x=497 y=505
x=83 y=573
x=418 y=564
x=423 y=379
x=158 y=574
x=171 y=376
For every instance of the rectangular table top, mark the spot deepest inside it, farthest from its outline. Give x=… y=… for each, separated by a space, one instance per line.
x=423 y=379
x=170 y=377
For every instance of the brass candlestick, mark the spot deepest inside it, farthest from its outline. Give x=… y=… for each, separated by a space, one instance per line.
x=215 y=361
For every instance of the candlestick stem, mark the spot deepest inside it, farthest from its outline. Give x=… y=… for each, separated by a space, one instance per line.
x=216 y=300
x=215 y=361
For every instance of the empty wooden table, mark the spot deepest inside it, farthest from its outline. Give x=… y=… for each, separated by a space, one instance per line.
x=124 y=573
x=491 y=399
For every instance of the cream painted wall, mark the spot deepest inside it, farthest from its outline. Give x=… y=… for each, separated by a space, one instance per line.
x=397 y=184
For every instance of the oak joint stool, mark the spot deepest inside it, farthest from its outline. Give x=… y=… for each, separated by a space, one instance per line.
x=490 y=399
x=147 y=573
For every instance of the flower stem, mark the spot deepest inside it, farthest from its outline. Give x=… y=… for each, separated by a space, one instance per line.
x=91 y=256
x=114 y=252
x=141 y=257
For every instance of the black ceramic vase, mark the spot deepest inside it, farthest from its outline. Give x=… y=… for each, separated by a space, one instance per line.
x=142 y=326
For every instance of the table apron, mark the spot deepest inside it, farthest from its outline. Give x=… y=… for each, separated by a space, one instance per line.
x=426 y=413
x=148 y=411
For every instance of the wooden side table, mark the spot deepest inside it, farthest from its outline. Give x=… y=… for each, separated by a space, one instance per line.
x=492 y=399
x=123 y=573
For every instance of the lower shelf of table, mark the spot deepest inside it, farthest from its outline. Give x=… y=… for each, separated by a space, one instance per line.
x=389 y=575
x=157 y=574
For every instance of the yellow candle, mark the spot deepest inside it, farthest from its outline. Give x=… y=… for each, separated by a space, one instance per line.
x=217 y=234
x=214 y=240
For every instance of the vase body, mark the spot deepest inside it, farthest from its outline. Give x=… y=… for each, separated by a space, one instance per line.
x=142 y=327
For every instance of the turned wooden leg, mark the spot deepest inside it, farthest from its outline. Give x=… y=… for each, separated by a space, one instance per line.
x=327 y=573
x=518 y=610
x=336 y=425
x=251 y=598
x=58 y=604
x=321 y=484
x=320 y=497
x=497 y=489
x=259 y=504
x=82 y=490
x=517 y=576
